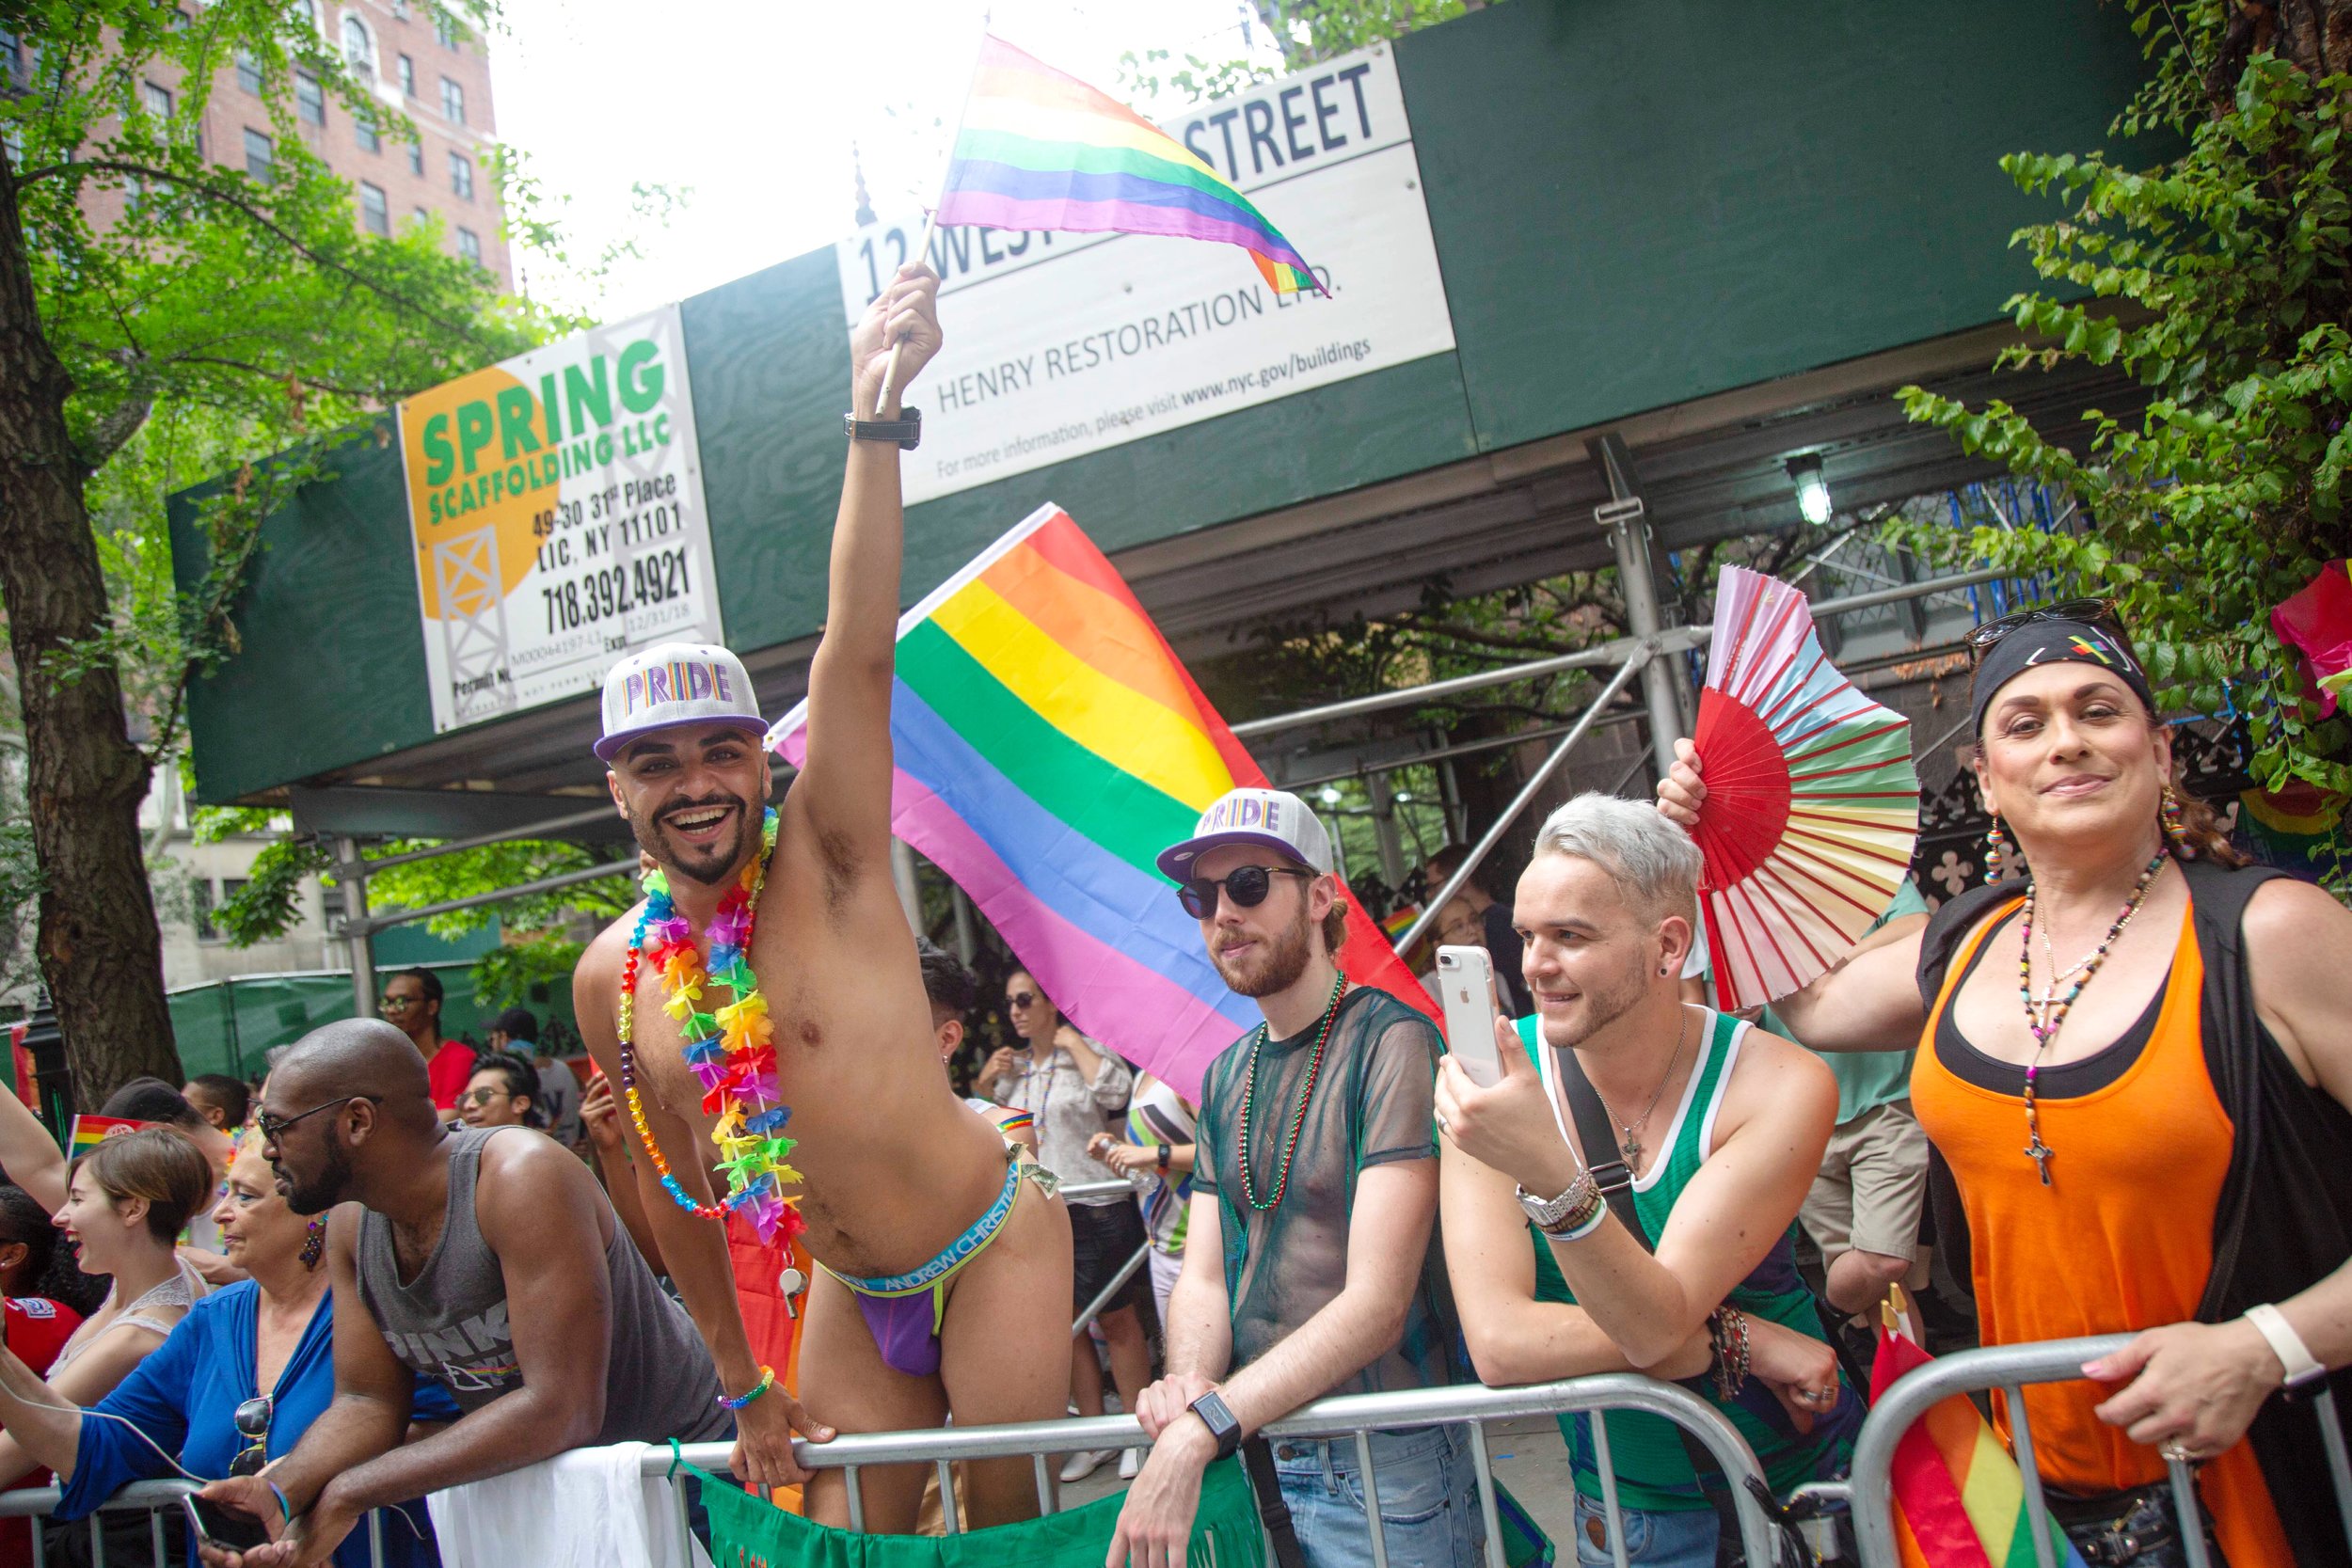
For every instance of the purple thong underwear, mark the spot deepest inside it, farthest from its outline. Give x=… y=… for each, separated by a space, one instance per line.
x=901 y=1328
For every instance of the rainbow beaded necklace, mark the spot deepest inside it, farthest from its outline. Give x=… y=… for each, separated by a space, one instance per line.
x=730 y=1050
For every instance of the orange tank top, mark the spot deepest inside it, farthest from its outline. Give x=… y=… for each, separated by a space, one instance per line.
x=2121 y=1239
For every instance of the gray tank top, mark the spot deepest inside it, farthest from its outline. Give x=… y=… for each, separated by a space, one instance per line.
x=449 y=1322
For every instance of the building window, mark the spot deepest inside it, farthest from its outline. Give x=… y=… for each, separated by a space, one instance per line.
x=399 y=10
x=461 y=176
x=158 y=99
x=367 y=136
x=309 y=99
x=416 y=157
x=249 y=72
x=358 y=45
x=469 y=245
x=409 y=76
x=445 y=28
x=204 y=904
x=309 y=11
x=12 y=57
x=257 y=155
x=452 y=102
x=375 y=213
x=420 y=217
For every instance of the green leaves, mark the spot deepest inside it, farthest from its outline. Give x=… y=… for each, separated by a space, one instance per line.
x=2222 y=282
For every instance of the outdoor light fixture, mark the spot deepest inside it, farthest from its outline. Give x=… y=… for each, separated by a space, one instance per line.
x=1804 y=472
x=1330 y=795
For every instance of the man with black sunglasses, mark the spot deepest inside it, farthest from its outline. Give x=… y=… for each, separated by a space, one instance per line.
x=1311 y=1265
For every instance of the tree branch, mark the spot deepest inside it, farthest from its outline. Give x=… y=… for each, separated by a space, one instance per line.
x=227 y=196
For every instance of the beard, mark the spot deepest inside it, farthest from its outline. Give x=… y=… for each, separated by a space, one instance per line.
x=1602 y=1006
x=1280 y=960
x=320 y=1193
x=710 y=865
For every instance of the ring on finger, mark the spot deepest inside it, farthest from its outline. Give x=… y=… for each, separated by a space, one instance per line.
x=1443 y=1125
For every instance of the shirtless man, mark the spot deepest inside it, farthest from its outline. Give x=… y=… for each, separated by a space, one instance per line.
x=961 y=1273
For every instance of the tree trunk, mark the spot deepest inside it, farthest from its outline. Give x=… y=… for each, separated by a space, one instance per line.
x=100 y=950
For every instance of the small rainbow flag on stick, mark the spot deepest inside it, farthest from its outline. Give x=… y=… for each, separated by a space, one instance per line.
x=1047 y=745
x=1958 y=1499
x=90 y=1131
x=1040 y=149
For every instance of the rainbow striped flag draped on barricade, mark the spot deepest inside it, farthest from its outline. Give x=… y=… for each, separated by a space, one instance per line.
x=1960 y=1501
x=1047 y=744
x=1040 y=149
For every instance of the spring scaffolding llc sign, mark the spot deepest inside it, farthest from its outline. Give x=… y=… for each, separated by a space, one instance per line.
x=557 y=504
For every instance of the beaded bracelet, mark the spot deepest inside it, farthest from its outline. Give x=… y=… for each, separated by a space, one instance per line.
x=1581 y=1225
x=766 y=1380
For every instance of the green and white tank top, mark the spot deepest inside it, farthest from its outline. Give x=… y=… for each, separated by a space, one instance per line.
x=1653 y=1467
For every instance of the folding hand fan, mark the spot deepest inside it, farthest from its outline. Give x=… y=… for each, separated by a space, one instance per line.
x=1812 y=804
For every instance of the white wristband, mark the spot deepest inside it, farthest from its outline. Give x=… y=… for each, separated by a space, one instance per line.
x=2287 y=1344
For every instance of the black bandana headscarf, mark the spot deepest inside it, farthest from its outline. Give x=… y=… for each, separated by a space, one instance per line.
x=2054 y=642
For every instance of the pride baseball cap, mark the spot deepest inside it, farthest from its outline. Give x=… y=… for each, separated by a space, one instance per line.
x=1270 y=818
x=675 y=683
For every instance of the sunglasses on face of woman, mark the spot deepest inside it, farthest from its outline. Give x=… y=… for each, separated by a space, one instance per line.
x=1246 y=887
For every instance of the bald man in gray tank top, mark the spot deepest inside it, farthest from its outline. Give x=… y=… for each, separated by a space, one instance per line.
x=487 y=1258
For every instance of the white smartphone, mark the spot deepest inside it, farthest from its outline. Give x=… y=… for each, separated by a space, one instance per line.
x=1466 y=985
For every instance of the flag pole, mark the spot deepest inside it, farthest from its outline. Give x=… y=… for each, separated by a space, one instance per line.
x=931 y=222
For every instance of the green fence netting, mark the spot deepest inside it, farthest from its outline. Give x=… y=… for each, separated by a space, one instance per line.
x=748 y=1532
x=231 y=1026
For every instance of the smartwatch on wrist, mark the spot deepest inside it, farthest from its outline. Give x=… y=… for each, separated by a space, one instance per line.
x=1166 y=1149
x=906 y=430
x=1221 y=1422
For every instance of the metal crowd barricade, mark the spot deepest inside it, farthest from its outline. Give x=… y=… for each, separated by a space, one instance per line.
x=156 y=1498
x=2010 y=1369
x=1353 y=1416
x=1093 y=1309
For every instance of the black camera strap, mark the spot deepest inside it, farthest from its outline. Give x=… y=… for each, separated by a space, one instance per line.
x=1257 y=1458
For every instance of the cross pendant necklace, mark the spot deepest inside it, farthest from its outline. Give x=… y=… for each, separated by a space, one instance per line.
x=1631 y=1145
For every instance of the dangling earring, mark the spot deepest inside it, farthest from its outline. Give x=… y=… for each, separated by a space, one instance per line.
x=2176 y=831
x=1997 y=850
x=314 y=1242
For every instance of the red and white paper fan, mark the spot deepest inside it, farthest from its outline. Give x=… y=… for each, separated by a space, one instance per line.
x=1812 y=803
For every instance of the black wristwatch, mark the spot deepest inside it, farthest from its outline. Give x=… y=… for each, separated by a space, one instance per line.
x=1166 y=1150
x=1220 y=1422
x=907 y=429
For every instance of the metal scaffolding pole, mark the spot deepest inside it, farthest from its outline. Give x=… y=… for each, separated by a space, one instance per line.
x=910 y=890
x=351 y=870
x=1626 y=519
x=1384 y=828
x=1634 y=661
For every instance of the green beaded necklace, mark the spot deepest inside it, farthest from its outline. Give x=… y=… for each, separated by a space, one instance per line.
x=1298 y=1116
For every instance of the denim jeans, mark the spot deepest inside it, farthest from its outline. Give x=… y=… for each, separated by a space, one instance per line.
x=1659 y=1538
x=1428 y=1499
x=2137 y=1530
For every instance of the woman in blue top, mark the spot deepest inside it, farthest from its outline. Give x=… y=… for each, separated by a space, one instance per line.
x=201 y=1395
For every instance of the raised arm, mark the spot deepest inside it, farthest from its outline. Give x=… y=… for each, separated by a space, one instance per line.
x=844 y=786
x=694 y=1250
x=29 y=1156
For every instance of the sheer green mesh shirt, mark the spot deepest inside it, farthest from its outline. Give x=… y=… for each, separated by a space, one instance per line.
x=1372 y=1106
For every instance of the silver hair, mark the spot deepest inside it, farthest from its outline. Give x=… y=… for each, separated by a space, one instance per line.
x=1646 y=852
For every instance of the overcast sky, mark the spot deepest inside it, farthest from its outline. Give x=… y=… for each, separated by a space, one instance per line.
x=756 y=106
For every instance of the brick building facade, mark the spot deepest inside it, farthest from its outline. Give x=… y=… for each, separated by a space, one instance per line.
x=438 y=78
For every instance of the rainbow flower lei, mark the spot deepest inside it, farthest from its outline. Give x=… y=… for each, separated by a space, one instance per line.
x=731 y=1049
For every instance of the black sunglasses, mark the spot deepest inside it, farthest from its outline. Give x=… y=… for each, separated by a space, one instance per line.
x=2100 y=612
x=252 y=1420
x=274 y=1127
x=1246 y=887
x=1021 y=999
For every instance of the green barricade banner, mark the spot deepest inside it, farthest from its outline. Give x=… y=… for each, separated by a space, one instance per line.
x=747 y=1532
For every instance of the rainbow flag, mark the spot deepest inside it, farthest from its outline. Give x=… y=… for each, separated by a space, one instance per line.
x=1047 y=744
x=1042 y=150
x=90 y=1131
x=1958 y=1499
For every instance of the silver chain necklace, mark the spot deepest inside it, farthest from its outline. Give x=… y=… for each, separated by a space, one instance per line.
x=1631 y=1145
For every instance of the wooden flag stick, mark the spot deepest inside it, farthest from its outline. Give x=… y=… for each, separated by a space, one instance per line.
x=890 y=370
